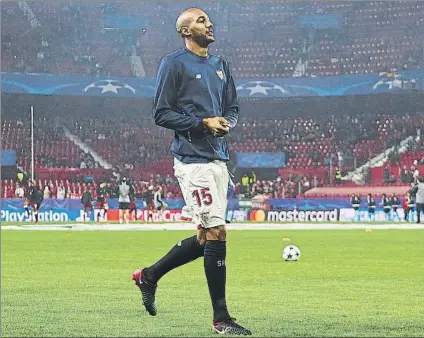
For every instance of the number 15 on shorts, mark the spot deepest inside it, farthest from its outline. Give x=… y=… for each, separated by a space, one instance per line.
x=202 y=197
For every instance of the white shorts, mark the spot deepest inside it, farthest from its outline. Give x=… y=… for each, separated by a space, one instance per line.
x=204 y=187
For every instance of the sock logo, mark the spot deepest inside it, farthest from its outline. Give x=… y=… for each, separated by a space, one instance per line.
x=179 y=243
x=221 y=263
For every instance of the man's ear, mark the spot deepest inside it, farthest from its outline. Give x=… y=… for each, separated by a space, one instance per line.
x=185 y=33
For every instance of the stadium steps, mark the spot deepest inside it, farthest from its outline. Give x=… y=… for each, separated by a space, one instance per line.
x=86 y=148
x=357 y=175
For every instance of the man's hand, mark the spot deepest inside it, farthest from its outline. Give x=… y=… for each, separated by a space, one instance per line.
x=218 y=126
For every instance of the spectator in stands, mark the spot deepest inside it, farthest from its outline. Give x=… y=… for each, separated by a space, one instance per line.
x=415 y=175
x=77 y=179
x=305 y=184
x=386 y=175
x=245 y=184
x=338 y=176
x=53 y=191
x=419 y=200
x=168 y=179
x=404 y=175
x=9 y=192
x=46 y=192
x=19 y=191
x=20 y=177
x=88 y=178
x=392 y=178
x=158 y=179
x=252 y=178
x=61 y=192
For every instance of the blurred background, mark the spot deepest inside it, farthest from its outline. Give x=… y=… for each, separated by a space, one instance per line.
x=331 y=95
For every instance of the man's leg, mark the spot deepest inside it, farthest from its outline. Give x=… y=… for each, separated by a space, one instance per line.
x=419 y=210
x=216 y=271
x=120 y=215
x=213 y=219
x=397 y=215
x=105 y=208
x=99 y=212
x=26 y=207
x=182 y=253
x=127 y=215
x=35 y=210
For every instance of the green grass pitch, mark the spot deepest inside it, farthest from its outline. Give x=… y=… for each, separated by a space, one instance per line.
x=347 y=283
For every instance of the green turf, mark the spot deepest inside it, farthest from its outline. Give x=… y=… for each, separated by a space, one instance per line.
x=347 y=283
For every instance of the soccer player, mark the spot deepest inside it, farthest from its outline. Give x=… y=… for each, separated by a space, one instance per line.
x=371 y=208
x=87 y=204
x=102 y=202
x=33 y=200
x=196 y=97
x=419 y=198
x=159 y=205
x=148 y=200
x=133 y=203
x=410 y=204
x=124 y=201
x=394 y=202
x=356 y=203
x=385 y=202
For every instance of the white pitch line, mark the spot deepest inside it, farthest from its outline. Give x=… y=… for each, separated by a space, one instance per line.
x=234 y=226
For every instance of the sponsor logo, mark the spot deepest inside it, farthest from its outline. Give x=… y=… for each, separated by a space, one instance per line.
x=257 y=216
x=43 y=216
x=294 y=215
x=237 y=215
x=348 y=215
x=220 y=74
x=167 y=216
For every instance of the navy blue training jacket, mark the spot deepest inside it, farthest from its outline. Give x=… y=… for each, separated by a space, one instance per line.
x=189 y=88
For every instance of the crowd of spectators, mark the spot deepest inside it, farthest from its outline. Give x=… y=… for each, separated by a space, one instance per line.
x=279 y=187
x=70 y=37
x=140 y=146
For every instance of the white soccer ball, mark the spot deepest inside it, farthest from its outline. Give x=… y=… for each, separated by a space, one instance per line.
x=291 y=253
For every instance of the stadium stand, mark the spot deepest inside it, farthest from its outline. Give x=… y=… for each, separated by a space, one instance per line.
x=72 y=38
x=139 y=147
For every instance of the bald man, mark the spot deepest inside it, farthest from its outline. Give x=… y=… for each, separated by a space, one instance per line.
x=195 y=96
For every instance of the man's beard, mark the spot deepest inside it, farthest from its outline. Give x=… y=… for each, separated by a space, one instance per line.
x=202 y=40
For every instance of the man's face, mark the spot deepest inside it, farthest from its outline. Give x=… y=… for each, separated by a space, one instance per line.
x=200 y=28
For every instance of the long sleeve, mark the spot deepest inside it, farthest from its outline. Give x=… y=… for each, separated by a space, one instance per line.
x=231 y=106
x=165 y=98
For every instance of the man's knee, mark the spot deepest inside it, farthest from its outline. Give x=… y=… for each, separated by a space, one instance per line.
x=201 y=236
x=218 y=233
